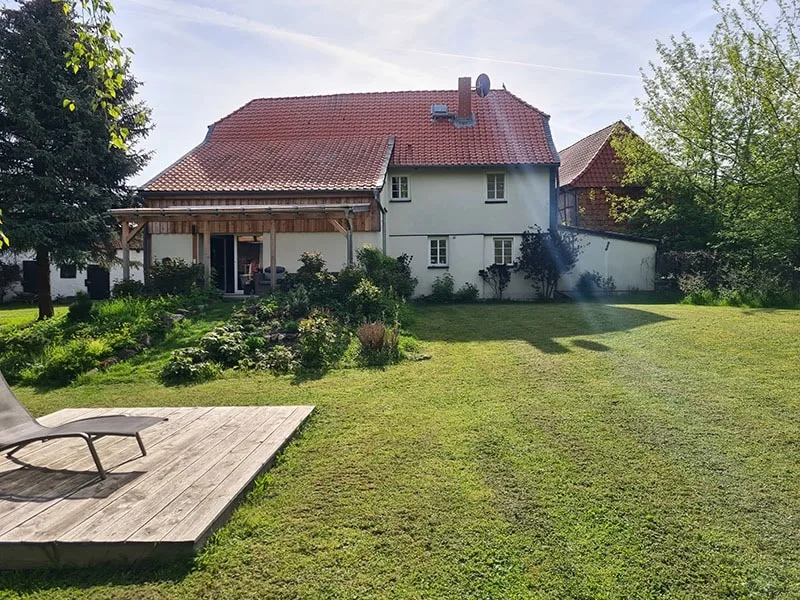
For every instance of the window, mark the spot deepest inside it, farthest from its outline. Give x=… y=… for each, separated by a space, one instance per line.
x=69 y=272
x=502 y=251
x=495 y=187
x=438 y=252
x=400 y=188
x=568 y=208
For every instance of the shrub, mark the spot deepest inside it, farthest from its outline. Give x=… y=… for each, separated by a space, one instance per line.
x=498 y=276
x=379 y=344
x=594 y=285
x=322 y=342
x=466 y=293
x=62 y=363
x=228 y=348
x=442 y=289
x=298 y=301
x=175 y=277
x=81 y=309
x=545 y=256
x=386 y=272
x=188 y=365
x=280 y=360
x=347 y=281
x=128 y=289
x=366 y=302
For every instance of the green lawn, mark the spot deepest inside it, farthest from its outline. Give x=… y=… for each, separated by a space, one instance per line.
x=20 y=315
x=565 y=451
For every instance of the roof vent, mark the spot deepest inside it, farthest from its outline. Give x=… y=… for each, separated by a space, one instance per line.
x=439 y=111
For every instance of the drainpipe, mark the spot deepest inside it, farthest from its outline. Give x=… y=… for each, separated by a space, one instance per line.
x=349 y=224
x=376 y=194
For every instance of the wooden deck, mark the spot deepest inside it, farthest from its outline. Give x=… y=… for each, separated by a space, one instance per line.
x=55 y=510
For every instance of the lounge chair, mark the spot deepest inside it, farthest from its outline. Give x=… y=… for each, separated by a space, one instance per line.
x=18 y=428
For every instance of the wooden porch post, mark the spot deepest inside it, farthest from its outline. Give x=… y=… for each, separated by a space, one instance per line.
x=349 y=225
x=126 y=251
x=273 y=260
x=207 y=252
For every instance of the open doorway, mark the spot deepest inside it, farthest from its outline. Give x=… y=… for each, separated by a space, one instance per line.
x=249 y=252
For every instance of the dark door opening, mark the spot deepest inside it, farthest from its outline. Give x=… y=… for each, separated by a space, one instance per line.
x=98 y=282
x=29 y=285
x=222 y=263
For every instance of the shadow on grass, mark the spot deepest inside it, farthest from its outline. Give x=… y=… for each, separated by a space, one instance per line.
x=541 y=325
x=28 y=582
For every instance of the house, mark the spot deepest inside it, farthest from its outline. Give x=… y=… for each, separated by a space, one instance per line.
x=451 y=178
x=96 y=280
x=590 y=173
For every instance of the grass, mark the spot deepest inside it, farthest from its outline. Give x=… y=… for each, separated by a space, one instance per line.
x=545 y=451
x=18 y=315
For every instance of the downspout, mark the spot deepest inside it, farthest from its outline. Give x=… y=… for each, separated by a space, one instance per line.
x=349 y=224
x=554 y=198
x=376 y=193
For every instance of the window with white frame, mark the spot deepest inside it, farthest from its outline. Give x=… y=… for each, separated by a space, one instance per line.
x=495 y=187
x=400 y=191
x=437 y=256
x=502 y=251
x=568 y=208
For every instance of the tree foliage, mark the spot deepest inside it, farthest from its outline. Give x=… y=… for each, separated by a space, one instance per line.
x=58 y=174
x=723 y=125
x=545 y=256
x=498 y=276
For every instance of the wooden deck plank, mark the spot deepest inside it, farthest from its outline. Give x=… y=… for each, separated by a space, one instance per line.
x=154 y=529
x=75 y=459
x=162 y=505
x=132 y=513
x=198 y=523
x=61 y=512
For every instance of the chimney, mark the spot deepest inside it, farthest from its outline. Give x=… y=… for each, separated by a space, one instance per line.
x=464 y=98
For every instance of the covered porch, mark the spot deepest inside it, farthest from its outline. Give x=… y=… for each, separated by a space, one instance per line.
x=203 y=219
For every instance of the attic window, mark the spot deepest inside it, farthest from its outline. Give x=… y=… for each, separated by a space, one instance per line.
x=400 y=191
x=495 y=187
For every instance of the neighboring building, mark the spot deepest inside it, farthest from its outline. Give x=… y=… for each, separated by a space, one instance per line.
x=448 y=177
x=590 y=171
x=96 y=280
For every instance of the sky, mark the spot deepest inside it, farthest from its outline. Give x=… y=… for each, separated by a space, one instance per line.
x=577 y=60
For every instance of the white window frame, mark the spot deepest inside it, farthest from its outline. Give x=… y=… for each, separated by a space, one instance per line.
x=503 y=241
x=441 y=242
x=400 y=197
x=491 y=187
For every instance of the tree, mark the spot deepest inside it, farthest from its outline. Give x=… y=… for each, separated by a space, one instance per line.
x=545 y=256
x=58 y=174
x=725 y=117
x=498 y=276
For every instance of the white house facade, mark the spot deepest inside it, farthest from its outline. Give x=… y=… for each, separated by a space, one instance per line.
x=450 y=178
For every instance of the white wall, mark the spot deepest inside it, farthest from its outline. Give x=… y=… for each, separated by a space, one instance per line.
x=631 y=263
x=332 y=246
x=453 y=201
x=171 y=245
x=69 y=286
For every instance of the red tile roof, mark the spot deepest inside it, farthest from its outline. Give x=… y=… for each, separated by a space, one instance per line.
x=591 y=162
x=340 y=142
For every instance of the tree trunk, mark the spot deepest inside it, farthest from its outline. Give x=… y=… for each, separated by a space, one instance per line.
x=43 y=283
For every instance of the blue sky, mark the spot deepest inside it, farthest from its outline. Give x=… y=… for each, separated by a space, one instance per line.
x=577 y=60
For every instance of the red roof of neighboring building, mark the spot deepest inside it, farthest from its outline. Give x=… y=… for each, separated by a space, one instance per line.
x=343 y=142
x=591 y=162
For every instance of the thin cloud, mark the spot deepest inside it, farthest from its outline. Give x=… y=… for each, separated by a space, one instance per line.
x=210 y=16
x=519 y=63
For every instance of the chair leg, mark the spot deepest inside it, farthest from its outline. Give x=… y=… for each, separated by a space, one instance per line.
x=96 y=458
x=141 y=444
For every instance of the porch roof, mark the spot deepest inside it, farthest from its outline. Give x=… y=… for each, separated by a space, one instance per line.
x=231 y=211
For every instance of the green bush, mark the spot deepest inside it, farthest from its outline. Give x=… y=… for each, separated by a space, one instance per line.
x=322 y=342
x=175 y=276
x=62 y=363
x=366 y=302
x=127 y=289
x=497 y=276
x=188 y=365
x=228 y=348
x=280 y=360
x=81 y=310
x=347 y=281
x=298 y=302
x=387 y=273
x=442 y=289
x=466 y=293
x=592 y=284
x=379 y=344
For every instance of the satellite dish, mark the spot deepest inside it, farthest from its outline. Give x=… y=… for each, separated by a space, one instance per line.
x=482 y=85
